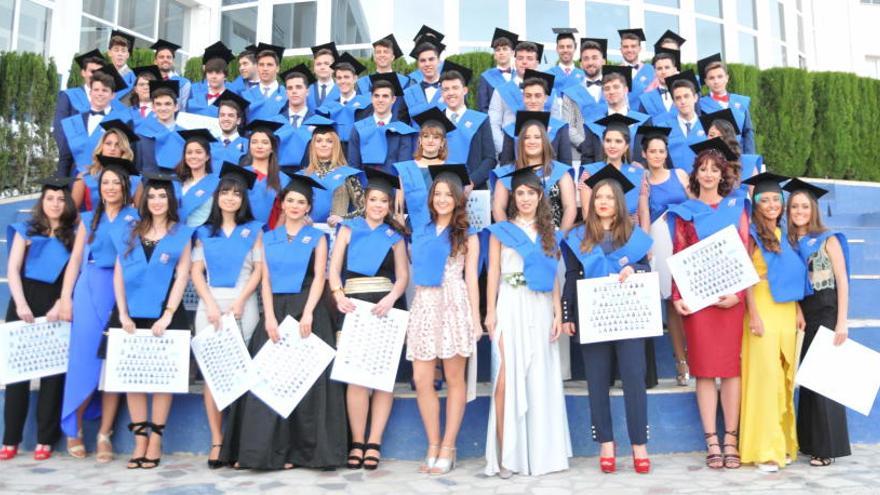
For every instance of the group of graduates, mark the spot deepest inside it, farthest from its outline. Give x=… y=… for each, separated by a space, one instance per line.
x=141 y=206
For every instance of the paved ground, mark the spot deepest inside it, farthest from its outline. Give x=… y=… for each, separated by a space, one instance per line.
x=676 y=473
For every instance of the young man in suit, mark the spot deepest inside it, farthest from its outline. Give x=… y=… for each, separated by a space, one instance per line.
x=204 y=93
x=294 y=135
x=579 y=100
x=658 y=101
x=615 y=89
x=471 y=140
x=324 y=87
x=507 y=98
x=713 y=72
x=631 y=49
x=536 y=90
x=164 y=59
x=684 y=121
x=503 y=42
x=424 y=94
x=231 y=146
x=349 y=106
x=385 y=52
x=268 y=98
x=74 y=101
x=380 y=138
x=565 y=73
x=159 y=145
x=119 y=49
x=247 y=71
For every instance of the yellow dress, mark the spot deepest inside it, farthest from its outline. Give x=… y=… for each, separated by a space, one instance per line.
x=767 y=420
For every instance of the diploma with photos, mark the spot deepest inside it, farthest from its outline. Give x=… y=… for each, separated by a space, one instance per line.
x=479 y=209
x=33 y=350
x=612 y=310
x=224 y=361
x=142 y=362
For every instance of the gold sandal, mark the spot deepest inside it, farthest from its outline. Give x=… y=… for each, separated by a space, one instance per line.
x=106 y=455
x=76 y=451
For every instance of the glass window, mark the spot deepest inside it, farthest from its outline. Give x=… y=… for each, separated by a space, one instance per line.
x=665 y=3
x=293 y=24
x=236 y=2
x=802 y=42
x=748 y=49
x=92 y=34
x=708 y=7
x=409 y=17
x=777 y=19
x=348 y=23
x=138 y=15
x=172 y=21
x=478 y=19
x=745 y=13
x=6 y=7
x=603 y=21
x=657 y=23
x=105 y=9
x=238 y=28
x=710 y=38
x=542 y=16
x=782 y=55
x=33 y=28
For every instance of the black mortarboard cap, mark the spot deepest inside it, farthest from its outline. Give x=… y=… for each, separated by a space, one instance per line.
x=82 y=57
x=228 y=95
x=148 y=69
x=171 y=84
x=617 y=121
x=457 y=171
x=434 y=114
x=426 y=43
x=381 y=181
x=118 y=82
x=549 y=79
x=259 y=124
x=669 y=34
x=122 y=34
x=539 y=46
x=636 y=31
x=121 y=126
x=602 y=42
x=676 y=56
x=466 y=73
x=347 y=58
x=278 y=50
x=203 y=134
x=119 y=164
x=766 y=182
x=161 y=44
x=650 y=130
x=426 y=30
x=217 y=50
x=247 y=177
x=565 y=32
x=716 y=144
x=523 y=117
x=724 y=114
x=525 y=175
x=623 y=70
x=687 y=75
x=391 y=77
x=395 y=46
x=795 y=185
x=301 y=69
x=302 y=183
x=610 y=172
x=326 y=46
x=151 y=177
x=704 y=62
x=508 y=35
x=56 y=182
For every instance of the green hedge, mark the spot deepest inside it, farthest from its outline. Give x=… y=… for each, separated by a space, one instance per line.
x=819 y=124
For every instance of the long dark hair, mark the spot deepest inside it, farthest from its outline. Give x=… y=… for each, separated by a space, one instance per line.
x=458 y=224
x=389 y=218
x=273 y=169
x=99 y=210
x=766 y=234
x=182 y=169
x=244 y=213
x=146 y=221
x=728 y=134
x=39 y=223
x=543 y=218
x=623 y=132
x=621 y=227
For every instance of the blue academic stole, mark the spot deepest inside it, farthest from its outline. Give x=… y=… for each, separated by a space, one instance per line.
x=415 y=183
x=374 y=143
x=288 y=261
x=322 y=199
x=231 y=153
x=809 y=244
x=344 y=115
x=459 y=140
x=653 y=103
x=91 y=182
x=562 y=80
x=81 y=143
x=786 y=271
x=429 y=253
x=494 y=77
x=169 y=144
x=262 y=107
x=738 y=105
x=417 y=102
x=558 y=171
x=539 y=269
x=101 y=251
x=196 y=195
x=78 y=99
x=512 y=95
x=262 y=197
x=642 y=79
x=598 y=264
x=45 y=257
x=146 y=281
x=632 y=173
x=198 y=100
x=314 y=94
x=708 y=220
x=292 y=143
x=749 y=164
x=224 y=256
x=584 y=100
x=368 y=247
x=680 y=151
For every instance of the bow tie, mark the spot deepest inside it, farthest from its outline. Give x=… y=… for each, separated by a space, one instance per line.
x=97 y=112
x=663 y=91
x=724 y=98
x=597 y=82
x=213 y=95
x=426 y=85
x=505 y=71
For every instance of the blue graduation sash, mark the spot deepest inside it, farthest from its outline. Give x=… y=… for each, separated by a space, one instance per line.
x=196 y=195
x=169 y=144
x=262 y=197
x=374 y=144
x=632 y=173
x=292 y=143
x=224 y=256
x=322 y=199
x=101 y=251
x=738 y=105
x=288 y=262
x=198 y=100
x=312 y=96
x=708 y=220
x=653 y=103
x=416 y=102
x=429 y=254
x=459 y=140
x=45 y=257
x=749 y=164
x=264 y=108
x=562 y=80
x=809 y=244
x=416 y=182
x=91 y=182
x=146 y=282
x=368 y=247
x=232 y=153
x=512 y=95
x=598 y=264
x=81 y=143
x=78 y=99
x=584 y=100
x=344 y=115
x=642 y=79
x=786 y=271
x=559 y=170
x=538 y=268
x=494 y=77
x=680 y=151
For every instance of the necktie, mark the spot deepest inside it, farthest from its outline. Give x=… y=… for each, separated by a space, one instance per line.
x=266 y=92
x=597 y=82
x=454 y=118
x=567 y=71
x=226 y=141
x=380 y=124
x=294 y=120
x=143 y=110
x=724 y=98
x=687 y=126
x=323 y=94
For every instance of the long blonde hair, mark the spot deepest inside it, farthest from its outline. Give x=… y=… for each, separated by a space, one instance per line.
x=127 y=152
x=337 y=157
x=547 y=155
x=621 y=226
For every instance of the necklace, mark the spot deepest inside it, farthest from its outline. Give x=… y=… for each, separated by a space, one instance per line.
x=524 y=223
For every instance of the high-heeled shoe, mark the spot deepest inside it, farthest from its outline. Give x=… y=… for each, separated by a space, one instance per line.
x=642 y=465
x=683 y=373
x=355 y=462
x=429 y=461
x=106 y=455
x=77 y=451
x=608 y=465
x=8 y=452
x=215 y=463
x=138 y=429
x=154 y=463
x=374 y=461
x=42 y=452
x=444 y=464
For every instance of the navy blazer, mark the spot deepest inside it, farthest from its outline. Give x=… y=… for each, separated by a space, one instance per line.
x=399 y=146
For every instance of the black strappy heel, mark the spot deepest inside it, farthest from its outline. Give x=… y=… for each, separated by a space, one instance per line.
x=138 y=429
x=731 y=461
x=157 y=429
x=355 y=462
x=372 y=458
x=215 y=463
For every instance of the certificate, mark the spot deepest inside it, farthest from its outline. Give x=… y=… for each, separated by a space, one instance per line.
x=224 y=361
x=33 y=350
x=197 y=121
x=612 y=310
x=479 y=209
x=142 y=362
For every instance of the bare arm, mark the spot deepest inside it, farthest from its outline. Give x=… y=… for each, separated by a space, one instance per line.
x=838 y=265
x=121 y=303
x=268 y=307
x=71 y=273
x=13 y=273
x=252 y=283
x=78 y=191
x=200 y=283
x=337 y=257
x=493 y=281
x=316 y=289
x=401 y=279
x=499 y=202
x=471 y=271
x=569 y=206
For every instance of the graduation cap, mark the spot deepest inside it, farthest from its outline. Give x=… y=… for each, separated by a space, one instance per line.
x=120 y=126
x=525 y=176
x=795 y=185
x=347 y=58
x=55 y=182
x=148 y=69
x=602 y=42
x=381 y=181
x=127 y=37
x=536 y=74
x=321 y=124
x=668 y=35
x=617 y=122
x=233 y=171
x=161 y=44
x=391 y=77
x=523 y=117
x=301 y=183
x=118 y=82
x=217 y=50
x=565 y=32
x=300 y=69
x=394 y=46
x=639 y=32
x=704 y=62
x=676 y=55
x=202 y=134
x=326 y=46
x=687 y=75
x=716 y=144
x=466 y=73
x=172 y=85
x=269 y=126
x=623 y=70
x=766 y=182
x=510 y=36
x=118 y=164
x=82 y=57
x=232 y=96
x=454 y=171
x=540 y=53
x=434 y=114
x=249 y=49
x=649 y=130
x=426 y=43
x=724 y=114
x=277 y=50
x=158 y=177
x=426 y=30
x=609 y=172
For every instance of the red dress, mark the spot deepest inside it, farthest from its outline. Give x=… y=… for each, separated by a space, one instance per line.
x=714 y=335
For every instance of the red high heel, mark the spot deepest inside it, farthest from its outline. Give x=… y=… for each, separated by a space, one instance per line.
x=642 y=466
x=42 y=452
x=608 y=465
x=8 y=452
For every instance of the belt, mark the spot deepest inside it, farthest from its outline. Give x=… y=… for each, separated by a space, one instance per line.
x=363 y=285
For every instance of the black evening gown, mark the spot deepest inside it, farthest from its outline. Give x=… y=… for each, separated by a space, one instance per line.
x=315 y=434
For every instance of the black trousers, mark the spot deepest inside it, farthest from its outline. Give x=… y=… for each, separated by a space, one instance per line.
x=48 y=410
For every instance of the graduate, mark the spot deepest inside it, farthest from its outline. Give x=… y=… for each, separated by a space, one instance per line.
x=349 y=106
x=370 y=263
x=341 y=196
x=294 y=134
x=159 y=145
x=444 y=322
x=470 y=142
x=427 y=34
x=821 y=423
x=687 y=129
x=534 y=149
x=641 y=75
x=114 y=143
x=323 y=87
x=657 y=100
x=119 y=49
x=149 y=295
x=608 y=243
x=536 y=90
x=138 y=99
x=714 y=74
x=197 y=180
x=87 y=299
x=226 y=269
x=503 y=42
x=425 y=93
x=723 y=124
x=565 y=72
x=507 y=98
x=247 y=71
x=231 y=145
x=164 y=59
x=315 y=435
x=379 y=138
x=714 y=334
x=615 y=88
x=38 y=250
x=81 y=132
x=262 y=159
x=215 y=60
x=268 y=98
x=73 y=101
x=528 y=426
x=580 y=100
x=385 y=52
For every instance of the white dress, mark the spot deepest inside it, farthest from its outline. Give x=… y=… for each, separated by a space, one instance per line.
x=536 y=438
x=225 y=296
